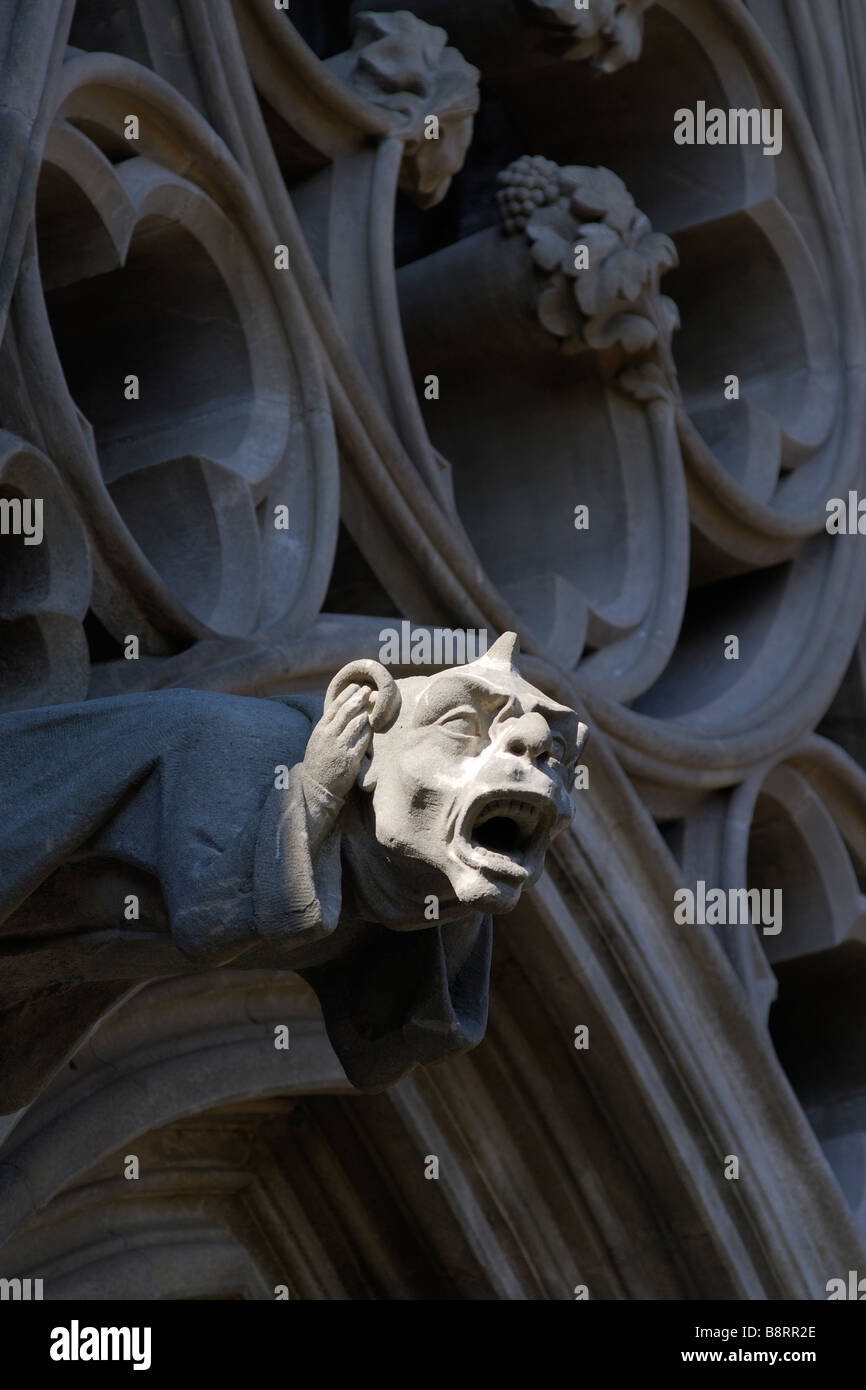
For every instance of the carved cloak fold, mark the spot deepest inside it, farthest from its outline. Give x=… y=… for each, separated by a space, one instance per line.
x=176 y=790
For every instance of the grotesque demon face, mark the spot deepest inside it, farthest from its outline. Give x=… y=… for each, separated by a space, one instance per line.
x=473 y=780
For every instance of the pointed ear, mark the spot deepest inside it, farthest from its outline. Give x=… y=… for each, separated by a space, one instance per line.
x=386 y=705
x=582 y=736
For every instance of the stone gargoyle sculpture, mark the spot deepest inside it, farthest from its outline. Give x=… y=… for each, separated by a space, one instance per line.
x=364 y=843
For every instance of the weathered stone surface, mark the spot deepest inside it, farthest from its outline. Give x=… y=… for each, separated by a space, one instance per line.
x=326 y=316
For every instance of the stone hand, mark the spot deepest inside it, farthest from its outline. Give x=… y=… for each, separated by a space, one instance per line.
x=340 y=740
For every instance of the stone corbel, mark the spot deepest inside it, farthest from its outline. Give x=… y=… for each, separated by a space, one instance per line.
x=602 y=261
x=576 y=255
x=406 y=66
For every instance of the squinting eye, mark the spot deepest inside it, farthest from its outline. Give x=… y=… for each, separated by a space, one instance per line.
x=462 y=722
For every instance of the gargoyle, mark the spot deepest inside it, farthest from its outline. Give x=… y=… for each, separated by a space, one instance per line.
x=364 y=843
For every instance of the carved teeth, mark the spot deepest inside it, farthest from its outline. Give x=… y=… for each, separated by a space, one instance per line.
x=523 y=813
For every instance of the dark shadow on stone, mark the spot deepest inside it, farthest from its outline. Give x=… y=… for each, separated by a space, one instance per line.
x=354 y=587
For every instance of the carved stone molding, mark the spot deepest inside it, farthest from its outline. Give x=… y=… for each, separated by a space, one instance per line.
x=175 y=436
x=45 y=582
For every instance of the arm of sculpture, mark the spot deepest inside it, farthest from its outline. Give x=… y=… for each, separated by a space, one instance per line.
x=297 y=893
x=333 y=758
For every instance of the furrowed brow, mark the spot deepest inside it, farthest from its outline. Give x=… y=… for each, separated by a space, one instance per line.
x=448 y=693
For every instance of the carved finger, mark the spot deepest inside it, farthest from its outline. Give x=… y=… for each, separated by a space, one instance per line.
x=335 y=716
x=386 y=695
x=334 y=707
x=357 y=704
x=358 y=731
x=345 y=696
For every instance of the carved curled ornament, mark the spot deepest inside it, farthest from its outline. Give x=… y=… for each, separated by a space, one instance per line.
x=609 y=34
x=406 y=65
x=614 y=301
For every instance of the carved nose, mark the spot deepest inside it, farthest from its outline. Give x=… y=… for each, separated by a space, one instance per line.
x=529 y=736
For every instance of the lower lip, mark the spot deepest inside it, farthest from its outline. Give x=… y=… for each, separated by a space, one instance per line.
x=498 y=868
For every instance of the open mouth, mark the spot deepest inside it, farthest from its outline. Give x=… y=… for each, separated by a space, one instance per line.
x=502 y=834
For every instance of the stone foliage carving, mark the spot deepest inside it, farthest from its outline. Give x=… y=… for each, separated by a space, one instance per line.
x=407 y=66
x=614 y=299
x=606 y=33
x=499 y=35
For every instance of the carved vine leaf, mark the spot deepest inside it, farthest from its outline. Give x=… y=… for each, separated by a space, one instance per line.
x=556 y=312
x=406 y=65
x=549 y=249
x=633 y=332
x=599 y=193
x=609 y=34
x=603 y=262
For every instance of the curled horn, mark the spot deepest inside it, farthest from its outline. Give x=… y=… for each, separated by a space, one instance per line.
x=366 y=672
